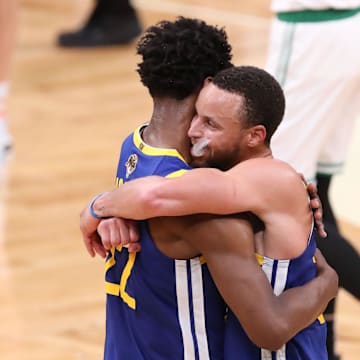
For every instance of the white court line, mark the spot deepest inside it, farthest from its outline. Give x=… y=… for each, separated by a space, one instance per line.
x=222 y=16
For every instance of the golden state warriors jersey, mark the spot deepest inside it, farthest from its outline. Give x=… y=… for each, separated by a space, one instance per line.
x=308 y=344
x=159 y=308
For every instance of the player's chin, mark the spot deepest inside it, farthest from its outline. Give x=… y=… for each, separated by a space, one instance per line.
x=199 y=161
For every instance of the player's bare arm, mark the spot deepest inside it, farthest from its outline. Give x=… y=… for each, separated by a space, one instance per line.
x=230 y=260
x=287 y=312
x=266 y=187
x=245 y=187
x=227 y=244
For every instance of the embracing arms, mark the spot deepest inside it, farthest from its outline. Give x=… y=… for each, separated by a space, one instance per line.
x=197 y=191
x=254 y=185
x=227 y=244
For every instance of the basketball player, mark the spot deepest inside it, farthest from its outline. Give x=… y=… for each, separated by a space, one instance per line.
x=237 y=113
x=152 y=290
x=156 y=305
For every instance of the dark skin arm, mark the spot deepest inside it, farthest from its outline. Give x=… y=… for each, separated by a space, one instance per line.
x=228 y=247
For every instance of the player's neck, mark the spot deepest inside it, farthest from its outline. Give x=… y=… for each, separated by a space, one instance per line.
x=260 y=152
x=169 y=125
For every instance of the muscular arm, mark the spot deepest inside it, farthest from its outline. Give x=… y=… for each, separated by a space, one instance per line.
x=228 y=247
x=198 y=191
x=255 y=185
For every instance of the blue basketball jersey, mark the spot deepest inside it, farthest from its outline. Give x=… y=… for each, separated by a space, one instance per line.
x=308 y=344
x=159 y=308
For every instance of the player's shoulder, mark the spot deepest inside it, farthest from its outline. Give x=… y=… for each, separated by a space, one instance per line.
x=267 y=170
x=265 y=164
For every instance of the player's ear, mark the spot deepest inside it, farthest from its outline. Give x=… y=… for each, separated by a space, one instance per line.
x=256 y=135
x=207 y=81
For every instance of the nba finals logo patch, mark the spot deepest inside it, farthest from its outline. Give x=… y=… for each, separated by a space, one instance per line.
x=131 y=164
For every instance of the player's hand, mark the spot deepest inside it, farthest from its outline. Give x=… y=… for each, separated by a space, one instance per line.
x=328 y=273
x=88 y=228
x=317 y=209
x=118 y=231
x=316 y=206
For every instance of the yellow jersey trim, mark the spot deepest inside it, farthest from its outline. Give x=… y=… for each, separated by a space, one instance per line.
x=118 y=182
x=120 y=289
x=260 y=259
x=176 y=173
x=321 y=319
x=149 y=150
x=115 y=289
x=111 y=261
x=124 y=278
x=112 y=289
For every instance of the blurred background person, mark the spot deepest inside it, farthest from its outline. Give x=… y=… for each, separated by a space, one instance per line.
x=111 y=22
x=315 y=55
x=8 y=20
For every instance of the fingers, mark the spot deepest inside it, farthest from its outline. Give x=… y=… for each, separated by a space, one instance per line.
x=312 y=189
x=106 y=234
x=134 y=247
x=316 y=206
x=100 y=249
x=116 y=231
x=321 y=229
x=94 y=246
x=133 y=231
x=89 y=247
x=88 y=225
x=123 y=231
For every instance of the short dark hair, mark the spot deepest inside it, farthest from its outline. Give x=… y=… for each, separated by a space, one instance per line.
x=263 y=95
x=178 y=56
